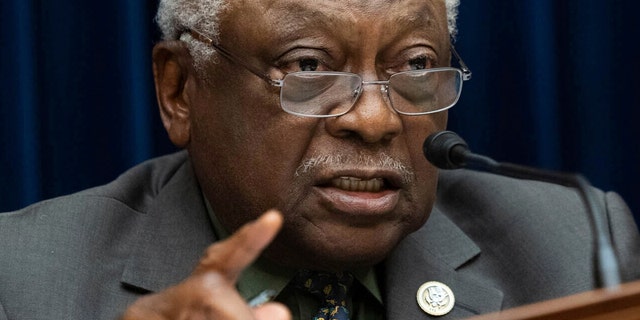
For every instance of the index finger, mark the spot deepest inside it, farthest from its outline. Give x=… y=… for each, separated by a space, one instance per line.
x=231 y=256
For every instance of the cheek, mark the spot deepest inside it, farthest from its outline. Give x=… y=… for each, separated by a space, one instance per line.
x=417 y=130
x=244 y=142
x=234 y=114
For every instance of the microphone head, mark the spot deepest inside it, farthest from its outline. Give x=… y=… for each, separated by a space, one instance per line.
x=438 y=147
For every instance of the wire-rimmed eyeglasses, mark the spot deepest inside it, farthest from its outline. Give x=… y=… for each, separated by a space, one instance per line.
x=321 y=94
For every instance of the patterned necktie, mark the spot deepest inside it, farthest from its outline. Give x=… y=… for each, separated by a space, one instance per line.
x=331 y=289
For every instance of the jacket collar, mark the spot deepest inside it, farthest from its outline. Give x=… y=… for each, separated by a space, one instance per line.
x=174 y=232
x=439 y=251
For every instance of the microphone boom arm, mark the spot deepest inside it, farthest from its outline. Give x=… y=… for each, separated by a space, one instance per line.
x=446 y=150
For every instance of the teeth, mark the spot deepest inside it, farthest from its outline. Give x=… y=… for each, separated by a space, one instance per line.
x=356 y=184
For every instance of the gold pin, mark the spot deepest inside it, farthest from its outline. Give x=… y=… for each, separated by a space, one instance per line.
x=435 y=298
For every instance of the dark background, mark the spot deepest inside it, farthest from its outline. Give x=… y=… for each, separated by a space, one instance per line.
x=554 y=86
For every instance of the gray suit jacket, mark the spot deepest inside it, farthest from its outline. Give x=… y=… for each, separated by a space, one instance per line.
x=496 y=242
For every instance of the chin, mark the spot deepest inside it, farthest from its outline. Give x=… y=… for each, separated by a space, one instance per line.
x=344 y=251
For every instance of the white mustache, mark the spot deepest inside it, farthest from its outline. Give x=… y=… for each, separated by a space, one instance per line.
x=380 y=161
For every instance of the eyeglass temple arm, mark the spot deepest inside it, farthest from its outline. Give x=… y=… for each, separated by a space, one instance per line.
x=466 y=72
x=201 y=37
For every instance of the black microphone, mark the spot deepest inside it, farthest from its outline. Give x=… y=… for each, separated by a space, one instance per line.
x=447 y=150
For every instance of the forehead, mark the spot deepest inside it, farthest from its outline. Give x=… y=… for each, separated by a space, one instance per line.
x=343 y=18
x=328 y=8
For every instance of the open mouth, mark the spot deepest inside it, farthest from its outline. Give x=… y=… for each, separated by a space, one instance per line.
x=361 y=194
x=359 y=185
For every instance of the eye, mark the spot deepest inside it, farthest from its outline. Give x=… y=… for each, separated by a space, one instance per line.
x=413 y=58
x=308 y=64
x=304 y=59
x=419 y=63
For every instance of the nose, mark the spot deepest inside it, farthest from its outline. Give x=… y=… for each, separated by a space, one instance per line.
x=371 y=119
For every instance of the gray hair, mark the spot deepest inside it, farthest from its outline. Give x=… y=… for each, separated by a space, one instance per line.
x=175 y=16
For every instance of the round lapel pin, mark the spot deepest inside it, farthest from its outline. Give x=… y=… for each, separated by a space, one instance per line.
x=435 y=298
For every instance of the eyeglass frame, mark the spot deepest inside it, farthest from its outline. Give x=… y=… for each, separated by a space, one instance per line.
x=466 y=74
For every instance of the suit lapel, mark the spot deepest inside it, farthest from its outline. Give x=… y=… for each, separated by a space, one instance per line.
x=436 y=252
x=175 y=231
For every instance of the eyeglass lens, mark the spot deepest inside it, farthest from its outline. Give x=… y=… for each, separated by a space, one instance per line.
x=333 y=93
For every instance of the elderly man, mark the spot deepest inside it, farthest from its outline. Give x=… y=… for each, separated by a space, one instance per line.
x=318 y=110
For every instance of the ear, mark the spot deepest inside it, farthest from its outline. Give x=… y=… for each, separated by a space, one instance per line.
x=171 y=70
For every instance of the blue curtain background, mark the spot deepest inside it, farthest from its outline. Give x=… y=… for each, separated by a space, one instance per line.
x=554 y=86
